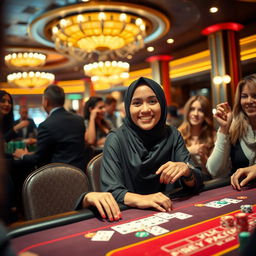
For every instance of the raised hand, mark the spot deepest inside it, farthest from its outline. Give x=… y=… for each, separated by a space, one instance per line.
x=224 y=116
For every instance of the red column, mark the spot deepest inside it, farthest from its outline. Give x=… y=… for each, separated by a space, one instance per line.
x=160 y=73
x=224 y=48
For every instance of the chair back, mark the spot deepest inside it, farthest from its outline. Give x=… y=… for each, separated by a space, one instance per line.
x=93 y=172
x=53 y=189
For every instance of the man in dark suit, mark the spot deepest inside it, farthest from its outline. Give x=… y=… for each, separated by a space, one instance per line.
x=60 y=137
x=29 y=131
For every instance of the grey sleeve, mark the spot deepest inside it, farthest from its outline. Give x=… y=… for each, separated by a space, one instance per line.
x=111 y=172
x=219 y=163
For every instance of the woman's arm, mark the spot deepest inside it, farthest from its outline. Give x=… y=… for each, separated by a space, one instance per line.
x=90 y=134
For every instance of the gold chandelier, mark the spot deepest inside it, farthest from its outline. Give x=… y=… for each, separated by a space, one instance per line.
x=31 y=79
x=108 y=72
x=25 y=59
x=102 y=33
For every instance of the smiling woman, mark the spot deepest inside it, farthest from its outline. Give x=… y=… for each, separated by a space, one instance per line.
x=235 y=148
x=144 y=155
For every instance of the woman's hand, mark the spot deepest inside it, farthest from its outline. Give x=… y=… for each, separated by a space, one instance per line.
x=242 y=176
x=158 y=201
x=171 y=171
x=105 y=203
x=223 y=116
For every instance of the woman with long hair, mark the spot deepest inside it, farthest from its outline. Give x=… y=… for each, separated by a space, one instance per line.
x=235 y=147
x=197 y=131
x=97 y=127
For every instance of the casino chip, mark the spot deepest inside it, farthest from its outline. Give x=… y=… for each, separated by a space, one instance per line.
x=142 y=234
x=89 y=235
x=227 y=221
x=246 y=208
x=241 y=197
x=199 y=205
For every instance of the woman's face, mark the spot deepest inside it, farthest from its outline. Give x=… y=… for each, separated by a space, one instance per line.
x=5 y=105
x=145 y=108
x=100 y=108
x=248 y=101
x=196 y=114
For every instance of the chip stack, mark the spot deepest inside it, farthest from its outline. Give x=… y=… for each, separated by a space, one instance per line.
x=227 y=221
x=246 y=208
x=243 y=240
x=241 y=222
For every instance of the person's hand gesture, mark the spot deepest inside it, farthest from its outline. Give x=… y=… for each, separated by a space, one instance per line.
x=105 y=203
x=171 y=171
x=223 y=116
x=21 y=125
x=242 y=176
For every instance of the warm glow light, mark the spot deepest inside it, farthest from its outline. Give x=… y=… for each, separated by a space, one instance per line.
x=150 y=49
x=30 y=79
x=222 y=79
x=101 y=33
x=25 y=59
x=226 y=79
x=170 y=41
x=217 y=80
x=213 y=9
x=108 y=72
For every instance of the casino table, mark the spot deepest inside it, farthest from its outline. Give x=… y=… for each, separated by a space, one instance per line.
x=198 y=233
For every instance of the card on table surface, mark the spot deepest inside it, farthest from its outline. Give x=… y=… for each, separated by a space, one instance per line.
x=231 y=200
x=182 y=216
x=165 y=215
x=140 y=224
x=156 y=230
x=215 y=204
x=103 y=235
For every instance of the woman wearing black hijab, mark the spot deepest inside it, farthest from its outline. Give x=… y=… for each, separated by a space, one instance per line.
x=144 y=155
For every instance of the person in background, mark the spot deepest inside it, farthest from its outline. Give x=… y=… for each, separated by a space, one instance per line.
x=145 y=157
x=173 y=117
x=8 y=128
x=110 y=115
x=198 y=132
x=29 y=131
x=97 y=127
x=60 y=137
x=235 y=147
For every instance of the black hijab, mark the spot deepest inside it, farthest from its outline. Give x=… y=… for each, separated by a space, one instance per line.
x=144 y=151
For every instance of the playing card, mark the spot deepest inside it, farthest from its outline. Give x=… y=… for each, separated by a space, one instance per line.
x=215 y=204
x=165 y=215
x=156 y=230
x=103 y=235
x=231 y=200
x=182 y=216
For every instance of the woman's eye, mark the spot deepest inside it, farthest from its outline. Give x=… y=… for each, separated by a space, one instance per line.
x=136 y=103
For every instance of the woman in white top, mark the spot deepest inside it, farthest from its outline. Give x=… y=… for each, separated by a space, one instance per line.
x=235 y=147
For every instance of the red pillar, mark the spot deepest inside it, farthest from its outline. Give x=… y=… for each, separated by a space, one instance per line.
x=160 y=73
x=224 y=48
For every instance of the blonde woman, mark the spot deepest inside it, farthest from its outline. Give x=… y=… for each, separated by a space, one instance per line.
x=197 y=131
x=235 y=148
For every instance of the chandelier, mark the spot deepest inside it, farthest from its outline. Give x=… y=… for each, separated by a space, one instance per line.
x=25 y=59
x=108 y=72
x=102 y=33
x=30 y=79
x=99 y=30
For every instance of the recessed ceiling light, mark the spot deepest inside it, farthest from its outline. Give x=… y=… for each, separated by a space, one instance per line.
x=213 y=9
x=129 y=57
x=150 y=49
x=170 y=41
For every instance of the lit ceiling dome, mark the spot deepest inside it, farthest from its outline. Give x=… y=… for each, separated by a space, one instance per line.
x=99 y=30
x=30 y=79
x=25 y=59
x=108 y=72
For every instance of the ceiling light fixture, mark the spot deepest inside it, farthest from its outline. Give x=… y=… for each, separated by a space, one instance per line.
x=25 y=59
x=99 y=30
x=30 y=79
x=108 y=72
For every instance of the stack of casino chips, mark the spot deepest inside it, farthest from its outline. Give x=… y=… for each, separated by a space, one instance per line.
x=246 y=208
x=241 y=222
x=227 y=221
